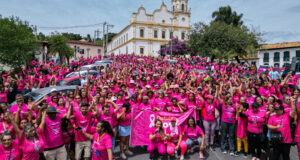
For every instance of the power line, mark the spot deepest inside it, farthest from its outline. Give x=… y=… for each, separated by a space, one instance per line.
x=70 y=27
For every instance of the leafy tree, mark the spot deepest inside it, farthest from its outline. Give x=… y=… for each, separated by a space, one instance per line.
x=58 y=45
x=72 y=36
x=221 y=40
x=88 y=38
x=226 y=15
x=17 y=42
x=42 y=37
x=110 y=36
x=99 y=42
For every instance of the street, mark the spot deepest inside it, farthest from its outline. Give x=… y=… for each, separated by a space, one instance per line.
x=140 y=153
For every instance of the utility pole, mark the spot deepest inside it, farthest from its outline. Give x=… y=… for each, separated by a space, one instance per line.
x=103 y=39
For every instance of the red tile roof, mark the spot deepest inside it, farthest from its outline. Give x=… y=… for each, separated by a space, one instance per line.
x=280 y=45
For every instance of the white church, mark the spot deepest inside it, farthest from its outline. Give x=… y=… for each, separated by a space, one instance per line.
x=147 y=32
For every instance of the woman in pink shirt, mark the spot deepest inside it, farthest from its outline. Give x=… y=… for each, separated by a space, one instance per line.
x=9 y=148
x=174 y=134
x=124 y=118
x=175 y=108
x=157 y=138
x=241 y=129
x=228 y=124
x=68 y=137
x=280 y=124
x=160 y=102
x=256 y=119
x=102 y=141
x=193 y=134
x=287 y=103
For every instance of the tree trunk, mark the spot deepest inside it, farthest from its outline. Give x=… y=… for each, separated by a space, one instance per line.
x=212 y=58
x=237 y=59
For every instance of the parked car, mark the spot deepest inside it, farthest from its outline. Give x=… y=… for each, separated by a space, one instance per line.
x=103 y=63
x=86 y=67
x=69 y=81
x=40 y=93
x=172 y=61
x=83 y=73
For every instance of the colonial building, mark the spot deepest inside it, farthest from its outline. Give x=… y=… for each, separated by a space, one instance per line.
x=278 y=54
x=147 y=32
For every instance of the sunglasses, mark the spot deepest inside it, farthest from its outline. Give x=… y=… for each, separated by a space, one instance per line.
x=6 y=140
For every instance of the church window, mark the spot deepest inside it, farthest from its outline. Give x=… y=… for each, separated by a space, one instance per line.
x=171 y=35
x=141 y=50
x=182 y=35
x=182 y=7
x=163 y=34
x=155 y=33
x=141 y=32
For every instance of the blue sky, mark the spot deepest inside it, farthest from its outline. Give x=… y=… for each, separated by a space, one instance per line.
x=278 y=20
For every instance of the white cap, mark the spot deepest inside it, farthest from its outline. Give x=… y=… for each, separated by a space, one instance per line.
x=113 y=98
x=132 y=81
x=53 y=90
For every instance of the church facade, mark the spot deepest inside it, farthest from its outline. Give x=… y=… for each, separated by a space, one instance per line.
x=147 y=32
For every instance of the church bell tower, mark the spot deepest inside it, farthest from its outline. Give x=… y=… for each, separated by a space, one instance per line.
x=180 y=6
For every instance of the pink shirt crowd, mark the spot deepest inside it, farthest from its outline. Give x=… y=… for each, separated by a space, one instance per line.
x=238 y=101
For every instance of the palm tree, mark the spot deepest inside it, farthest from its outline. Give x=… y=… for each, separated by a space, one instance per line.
x=58 y=45
x=225 y=14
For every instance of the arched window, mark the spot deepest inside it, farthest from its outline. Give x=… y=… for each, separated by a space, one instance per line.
x=266 y=57
x=182 y=7
x=286 y=56
x=276 y=57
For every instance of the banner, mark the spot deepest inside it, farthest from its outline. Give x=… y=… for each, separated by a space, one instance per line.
x=142 y=121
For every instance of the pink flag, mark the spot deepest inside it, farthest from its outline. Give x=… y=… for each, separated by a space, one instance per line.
x=142 y=121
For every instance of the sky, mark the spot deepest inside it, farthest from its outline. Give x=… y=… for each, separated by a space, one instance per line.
x=278 y=20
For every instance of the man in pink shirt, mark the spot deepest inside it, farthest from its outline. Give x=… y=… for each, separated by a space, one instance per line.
x=83 y=121
x=54 y=144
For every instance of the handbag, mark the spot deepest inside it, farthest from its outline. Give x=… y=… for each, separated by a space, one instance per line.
x=276 y=137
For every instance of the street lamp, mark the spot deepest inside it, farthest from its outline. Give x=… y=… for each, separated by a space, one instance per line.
x=172 y=35
x=75 y=48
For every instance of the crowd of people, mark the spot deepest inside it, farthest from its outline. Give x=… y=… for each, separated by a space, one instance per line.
x=242 y=110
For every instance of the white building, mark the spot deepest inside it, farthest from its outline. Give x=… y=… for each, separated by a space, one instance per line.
x=147 y=32
x=278 y=54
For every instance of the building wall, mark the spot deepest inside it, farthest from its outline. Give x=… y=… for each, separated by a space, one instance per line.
x=93 y=50
x=271 y=56
x=159 y=20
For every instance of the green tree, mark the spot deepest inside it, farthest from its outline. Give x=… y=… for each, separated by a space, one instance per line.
x=58 y=45
x=110 y=36
x=17 y=42
x=88 y=38
x=226 y=15
x=72 y=36
x=42 y=37
x=221 y=40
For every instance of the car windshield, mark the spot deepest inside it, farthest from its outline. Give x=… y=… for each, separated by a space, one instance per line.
x=35 y=96
x=60 y=83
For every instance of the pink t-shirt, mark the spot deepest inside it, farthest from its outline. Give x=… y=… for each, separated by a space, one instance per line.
x=100 y=145
x=284 y=122
x=53 y=132
x=174 y=133
x=127 y=120
x=193 y=134
x=157 y=138
x=12 y=153
x=108 y=118
x=85 y=123
x=67 y=136
x=241 y=130
x=14 y=108
x=3 y=97
x=30 y=152
x=160 y=103
x=228 y=114
x=209 y=114
x=145 y=107
x=255 y=121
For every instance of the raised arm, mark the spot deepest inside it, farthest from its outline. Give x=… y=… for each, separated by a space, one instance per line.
x=15 y=125
x=43 y=122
